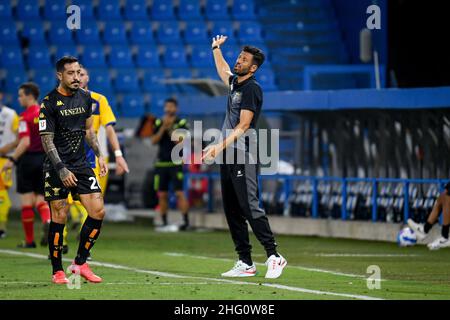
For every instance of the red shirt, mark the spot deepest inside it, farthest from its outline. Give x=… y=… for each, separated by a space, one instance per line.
x=29 y=127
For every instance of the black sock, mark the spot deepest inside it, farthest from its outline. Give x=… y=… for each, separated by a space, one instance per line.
x=272 y=253
x=88 y=234
x=186 y=218
x=164 y=219
x=55 y=242
x=444 y=231
x=427 y=227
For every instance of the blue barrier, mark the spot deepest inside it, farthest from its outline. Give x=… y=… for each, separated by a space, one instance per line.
x=287 y=187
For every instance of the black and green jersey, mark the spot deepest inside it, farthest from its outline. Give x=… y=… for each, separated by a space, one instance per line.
x=166 y=144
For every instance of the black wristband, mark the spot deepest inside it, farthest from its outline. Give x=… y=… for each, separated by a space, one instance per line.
x=10 y=158
x=59 y=166
x=215 y=47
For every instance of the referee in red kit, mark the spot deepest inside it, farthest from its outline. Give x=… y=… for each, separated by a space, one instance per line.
x=240 y=181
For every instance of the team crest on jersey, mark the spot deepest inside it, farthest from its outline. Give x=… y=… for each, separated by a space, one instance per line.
x=236 y=97
x=59 y=103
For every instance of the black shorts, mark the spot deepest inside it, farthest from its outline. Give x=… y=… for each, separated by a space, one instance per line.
x=29 y=173
x=166 y=175
x=55 y=190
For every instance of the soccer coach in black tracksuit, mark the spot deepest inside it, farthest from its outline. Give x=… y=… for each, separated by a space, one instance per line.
x=239 y=179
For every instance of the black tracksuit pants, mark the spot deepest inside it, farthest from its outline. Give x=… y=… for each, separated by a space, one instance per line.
x=240 y=198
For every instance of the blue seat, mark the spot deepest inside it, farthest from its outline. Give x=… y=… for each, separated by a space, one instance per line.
x=189 y=10
x=136 y=10
x=175 y=57
x=121 y=57
x=168 y=32
x=209 y=73
x=231 y=53
x=27 y=9
x=109 y=10
x=266 y=79
x=39 y=57
x=11 y=57
x=162 y=10
x=88 y=34
x=216 y=9
x=181 y=73
x=13 y=79
x=34 y=32
x=100 y=80
x=201 y=56
x=65 y=50
x=55 y=10
x=141 y=33
x=93 y=57
x=5 y=10
x=126 y=81
x=114 y=33
x=132 y=106
x=152 y=81
x=196 y=32
x=224 y=28
x=148 y=57
x=86 y=8
x=250 y=32
x=157 y=103
x=45 y=79
x=59 y=33
x=8 y=33
x=243 y=10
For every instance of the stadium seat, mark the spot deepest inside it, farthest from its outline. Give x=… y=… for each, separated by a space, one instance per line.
x=59 y=33
x=141 y=33
x=136 y=10
x=8 y=33
x=13 y=79
x=175 y=57
x=201 y=56
x=126 y=81
x=5 y=10
x=250 y=32
x=152 y=80
x=162 y=10
x=121 y=57
x=157 y=103
x=168 y=32
x=189 y=10
x=38 y=57
x=114 y=33
x=208 y=73
x=196 y=32
x=132 y=106
x=87 y=9
x=27 y=10
x=224 y=28
x=148 y=57
x=181 y=73
x=11 y=57
x=93 y=57
x=55 y=10
x=216 y=9
x=100 y=80
x=108 y=10
x=243 y=10
x=33 y=32
x=45 y=79
x=231 y=53
x=65 y=50
x=88 y=34
x=266 y=79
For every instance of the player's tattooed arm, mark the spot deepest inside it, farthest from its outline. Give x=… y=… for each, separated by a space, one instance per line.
x=91 y=138
x=52 y=153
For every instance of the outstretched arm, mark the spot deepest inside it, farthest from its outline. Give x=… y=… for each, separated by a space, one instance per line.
x=223 y=69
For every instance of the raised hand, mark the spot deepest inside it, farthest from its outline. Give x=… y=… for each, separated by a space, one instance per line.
x=218 y=40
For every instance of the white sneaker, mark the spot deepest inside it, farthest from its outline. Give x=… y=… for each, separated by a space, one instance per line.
x=275 y=266
x=167 y=228
x=439 y=243
x=418 y=229
x=241 y=269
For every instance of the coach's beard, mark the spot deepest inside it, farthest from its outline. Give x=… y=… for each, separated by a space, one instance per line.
x=242 y=73
x=74 y=89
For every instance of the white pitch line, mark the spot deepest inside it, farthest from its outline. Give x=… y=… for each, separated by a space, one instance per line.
x=336 y=273
x=363 y=255
x=177 y=276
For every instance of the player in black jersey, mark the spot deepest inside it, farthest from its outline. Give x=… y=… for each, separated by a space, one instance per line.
x=65 y=123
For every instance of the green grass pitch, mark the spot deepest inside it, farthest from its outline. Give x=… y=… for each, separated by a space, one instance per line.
x=138 y=263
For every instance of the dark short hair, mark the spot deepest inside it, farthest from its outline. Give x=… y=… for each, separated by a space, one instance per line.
x=63 y=61
x=172 y=100
x=258 y=55
x=30 y=88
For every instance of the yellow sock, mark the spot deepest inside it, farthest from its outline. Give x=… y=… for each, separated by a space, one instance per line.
x=5 y=205
x=65 y=236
